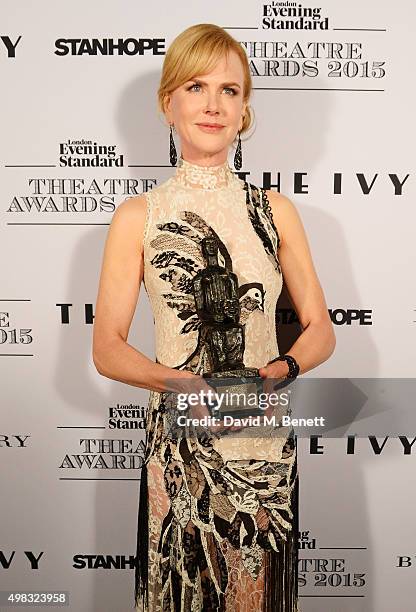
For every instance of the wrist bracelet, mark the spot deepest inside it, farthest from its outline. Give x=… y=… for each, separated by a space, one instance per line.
x=291 y=362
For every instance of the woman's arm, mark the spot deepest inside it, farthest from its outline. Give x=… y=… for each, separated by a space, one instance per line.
x=119 y=287
x=317 y=340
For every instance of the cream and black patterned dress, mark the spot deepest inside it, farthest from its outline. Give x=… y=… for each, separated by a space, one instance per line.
x=218 y=517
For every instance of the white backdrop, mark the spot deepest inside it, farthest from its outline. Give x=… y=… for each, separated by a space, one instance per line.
x=335 y=132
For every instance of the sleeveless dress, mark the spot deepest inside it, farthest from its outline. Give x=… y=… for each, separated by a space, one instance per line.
x=218 y=517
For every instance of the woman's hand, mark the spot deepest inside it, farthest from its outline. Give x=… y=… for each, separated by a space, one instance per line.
x=271 y=374
x=197 y=384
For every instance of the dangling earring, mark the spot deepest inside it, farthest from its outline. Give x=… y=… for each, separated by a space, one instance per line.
x=172 y=149
x=238 y=159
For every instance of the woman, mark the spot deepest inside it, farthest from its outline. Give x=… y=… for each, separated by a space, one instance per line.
x=217 y=520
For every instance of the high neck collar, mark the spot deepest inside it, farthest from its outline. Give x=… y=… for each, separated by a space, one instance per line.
x=203 y=177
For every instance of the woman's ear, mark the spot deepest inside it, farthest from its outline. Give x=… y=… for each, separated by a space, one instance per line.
x=243 y=112
x=167 y=108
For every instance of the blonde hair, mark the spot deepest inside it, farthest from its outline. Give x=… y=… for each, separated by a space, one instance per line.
x=196 y=51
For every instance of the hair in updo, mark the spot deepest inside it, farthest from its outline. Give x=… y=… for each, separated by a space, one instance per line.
x=196 y=51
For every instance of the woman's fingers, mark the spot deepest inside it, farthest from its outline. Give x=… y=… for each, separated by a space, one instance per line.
x=199 y=385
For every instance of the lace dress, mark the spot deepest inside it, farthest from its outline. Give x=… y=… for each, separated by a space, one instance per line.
x=218 y=518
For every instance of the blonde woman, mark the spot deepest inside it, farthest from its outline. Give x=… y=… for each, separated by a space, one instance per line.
x=218 y=517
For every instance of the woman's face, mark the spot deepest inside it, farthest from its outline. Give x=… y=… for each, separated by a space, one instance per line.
x=213 y=98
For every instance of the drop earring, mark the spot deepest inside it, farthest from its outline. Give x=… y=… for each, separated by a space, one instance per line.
x=238 y=158
x=172 y=149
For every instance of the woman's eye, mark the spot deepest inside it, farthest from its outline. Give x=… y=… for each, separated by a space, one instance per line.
x=230 y=90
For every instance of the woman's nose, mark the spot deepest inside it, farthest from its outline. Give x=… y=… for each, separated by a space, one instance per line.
x=212 y=103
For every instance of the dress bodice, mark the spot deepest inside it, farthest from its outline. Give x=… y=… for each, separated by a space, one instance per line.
x=195 y=202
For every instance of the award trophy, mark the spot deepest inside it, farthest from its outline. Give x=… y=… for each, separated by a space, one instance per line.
x=217 y=304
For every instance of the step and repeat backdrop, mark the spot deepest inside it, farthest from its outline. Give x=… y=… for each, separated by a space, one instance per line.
x=334 y=99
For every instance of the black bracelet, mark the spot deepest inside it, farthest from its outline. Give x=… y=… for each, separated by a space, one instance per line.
x=291 y=362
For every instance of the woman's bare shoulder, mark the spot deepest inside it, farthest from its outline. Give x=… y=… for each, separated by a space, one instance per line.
x=128 y=222
x=279 y=200
x=131 y=213
x=283 y=210
x=132 y=207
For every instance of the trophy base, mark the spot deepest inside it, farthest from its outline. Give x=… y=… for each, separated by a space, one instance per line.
x=245 y=391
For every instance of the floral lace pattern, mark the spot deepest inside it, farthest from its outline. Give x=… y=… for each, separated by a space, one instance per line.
x=203 y=177
x=221 y=514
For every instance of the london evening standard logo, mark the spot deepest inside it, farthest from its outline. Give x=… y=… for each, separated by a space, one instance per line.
x=277 y=58
x=89 y=154
x=127 y=416
x=292 y=16
x=82 y=192
x=112 y=453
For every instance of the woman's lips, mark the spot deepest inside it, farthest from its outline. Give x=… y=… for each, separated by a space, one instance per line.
x=208 y=127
